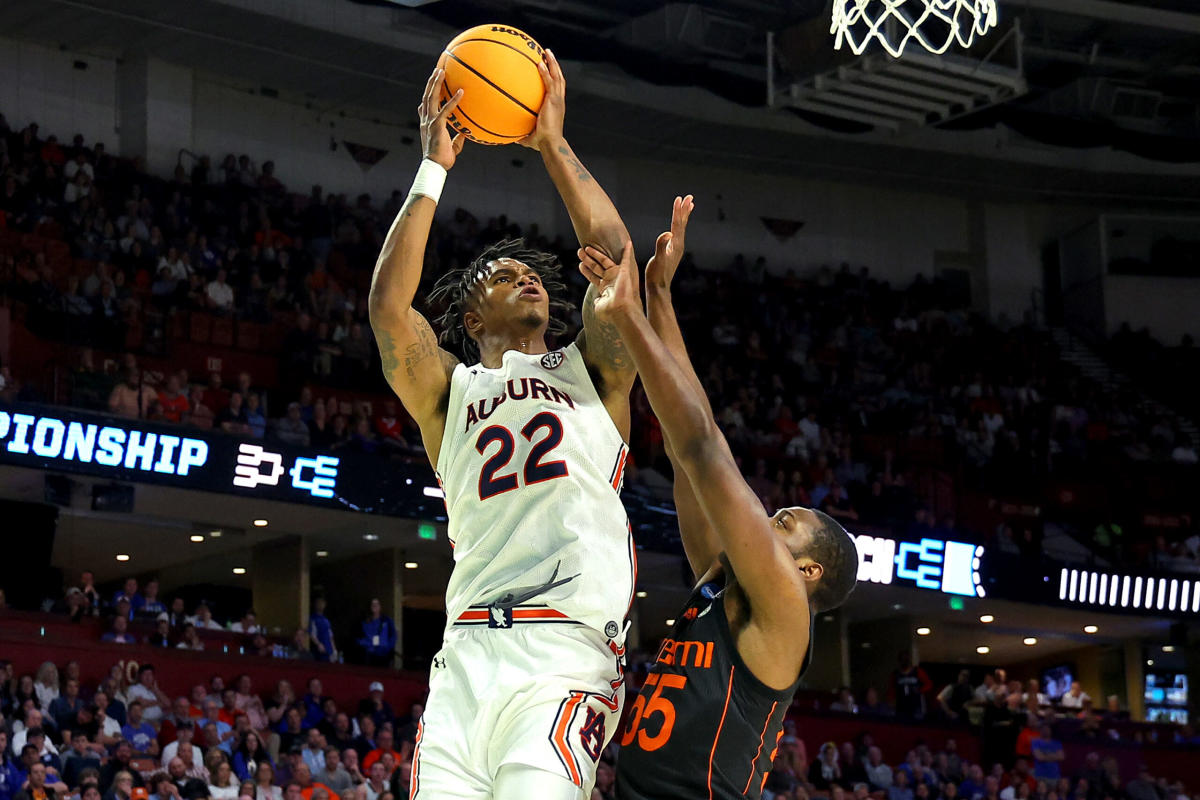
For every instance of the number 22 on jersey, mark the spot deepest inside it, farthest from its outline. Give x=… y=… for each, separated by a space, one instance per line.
x=536 y=469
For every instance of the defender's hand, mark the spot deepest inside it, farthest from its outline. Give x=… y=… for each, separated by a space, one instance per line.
x=549 y=126
x=617 y=284
x=436 y=143
x=668 y=250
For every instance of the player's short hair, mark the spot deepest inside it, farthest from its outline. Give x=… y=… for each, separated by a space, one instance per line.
x=453 y=290
x=834 y=549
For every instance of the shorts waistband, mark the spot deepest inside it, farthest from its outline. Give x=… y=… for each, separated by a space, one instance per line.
x=497 y=616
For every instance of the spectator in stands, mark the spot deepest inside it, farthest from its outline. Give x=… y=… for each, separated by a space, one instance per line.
x=264 y=783
x=190 y=780
x=321 y=632
x=376 y=706
x=184 y=731
x=131 y=397
x=376 y=785
x=953 y=699
x=910 y=684
x=212 y=718
x=873 y=705
x=219 y=293
x=154 y=700
x=879 y=774
x=45 y=685
x=104 y=728
x=255 y=420
x=225 y=784
x=248 y=755
x=119 y=634
x=334 y=775
x=77 y=759
x=900 y=789
x=291 y=733
x=290 y=429
x=189 y=639
x=63 y=709
x=1048 y=756
x=383 y=746
x=844 y=703
x=203 y=619
x=120 y=762
x=140 y=734
x=825 y=771
x=248 y=623
x=162 y=632
x=378 y=638
x=1075 y=697
x=38 y=787
x=314 y=751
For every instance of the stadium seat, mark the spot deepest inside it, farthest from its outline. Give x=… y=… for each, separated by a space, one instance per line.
x=200 y=328
x=249 y=335
x=222 y=332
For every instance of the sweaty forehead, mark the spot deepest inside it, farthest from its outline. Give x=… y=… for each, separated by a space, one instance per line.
x=498 y=264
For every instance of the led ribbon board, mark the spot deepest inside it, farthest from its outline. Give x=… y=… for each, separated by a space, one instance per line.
x=66 y=440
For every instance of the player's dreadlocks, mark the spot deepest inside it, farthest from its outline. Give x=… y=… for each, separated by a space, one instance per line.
x=454 y=289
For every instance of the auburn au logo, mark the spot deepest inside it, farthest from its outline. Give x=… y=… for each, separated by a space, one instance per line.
x=553 y=360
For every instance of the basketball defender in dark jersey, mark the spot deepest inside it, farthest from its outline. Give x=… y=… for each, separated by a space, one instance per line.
x=709 y=718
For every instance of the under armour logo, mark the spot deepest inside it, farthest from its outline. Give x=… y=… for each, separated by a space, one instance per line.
x=501 y=617
x=249 y=471
x=439 y=663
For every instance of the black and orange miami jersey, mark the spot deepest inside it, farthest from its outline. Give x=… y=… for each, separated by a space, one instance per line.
x=703 y=725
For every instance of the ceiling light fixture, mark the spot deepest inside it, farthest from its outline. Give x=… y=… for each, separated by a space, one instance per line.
x=670 y=623
x=122 y=556
x=371 y=537
x=986 y=618
x=983 y=649
x=1029 y=641
x=641 y=594
x=214 y=534
x=261 y=523
x=197 y=538
x=239 y=570
x=1090 y=629
x=1149 y=662
x=322 y=553
x=1168 y=648
x=924 y=631
x=410 y=565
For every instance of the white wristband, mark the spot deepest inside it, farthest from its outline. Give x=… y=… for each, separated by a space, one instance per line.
x=431 y=177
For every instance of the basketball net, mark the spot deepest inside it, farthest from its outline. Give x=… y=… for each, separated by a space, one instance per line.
x=933 y=24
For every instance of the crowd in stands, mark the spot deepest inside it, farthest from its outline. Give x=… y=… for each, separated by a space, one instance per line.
x=126 y=739
x=137 y=615
x=1021 y=730
x=834 y=388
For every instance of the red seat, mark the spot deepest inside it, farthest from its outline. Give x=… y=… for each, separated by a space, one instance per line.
x=249 y=335
x=32 y=242
x=200 y=328
x=58 y=250
x=222 y=332
x=177 y=325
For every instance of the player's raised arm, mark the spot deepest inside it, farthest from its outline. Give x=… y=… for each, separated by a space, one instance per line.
x=417 y=369
x=596 y=223
x=766 y=570
x=700 y=544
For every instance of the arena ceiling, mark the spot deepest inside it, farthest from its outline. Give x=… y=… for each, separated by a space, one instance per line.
x=686 y=83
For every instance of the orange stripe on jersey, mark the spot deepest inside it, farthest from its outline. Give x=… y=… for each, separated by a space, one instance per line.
x=559 y=738
x=761 y=739
x=713 y=753
x=616 y=484
x=537 y=613
x=413 y=782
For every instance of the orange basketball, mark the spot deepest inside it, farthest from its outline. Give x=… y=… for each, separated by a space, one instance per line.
x=496 y=67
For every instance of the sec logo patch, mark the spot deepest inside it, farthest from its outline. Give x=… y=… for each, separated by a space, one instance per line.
x=553 y=360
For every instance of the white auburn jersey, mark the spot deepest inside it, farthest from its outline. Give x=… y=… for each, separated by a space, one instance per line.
x=532 y=466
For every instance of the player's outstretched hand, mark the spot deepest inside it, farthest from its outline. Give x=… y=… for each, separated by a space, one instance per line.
x=436 y=143
x=549 y=126
x=617 y=282
x=668 y=250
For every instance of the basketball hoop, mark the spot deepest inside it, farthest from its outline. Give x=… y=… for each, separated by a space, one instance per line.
x=933 y=24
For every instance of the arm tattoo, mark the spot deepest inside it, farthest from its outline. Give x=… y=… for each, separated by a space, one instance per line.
x=604 y=347
x=413 y=355
x=580 y=172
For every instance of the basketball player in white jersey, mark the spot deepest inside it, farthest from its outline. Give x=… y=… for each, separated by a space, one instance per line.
x=529 y=445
